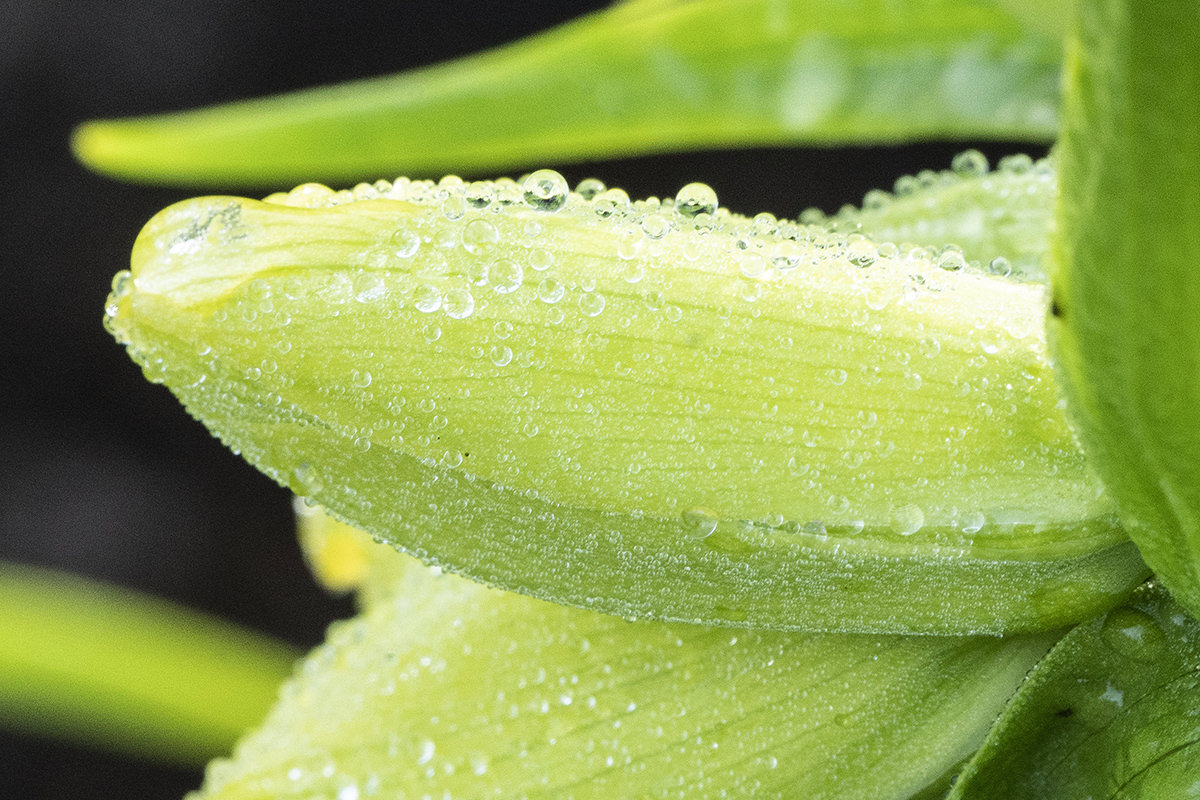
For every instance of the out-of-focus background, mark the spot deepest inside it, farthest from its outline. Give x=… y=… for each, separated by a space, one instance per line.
x=104 y=474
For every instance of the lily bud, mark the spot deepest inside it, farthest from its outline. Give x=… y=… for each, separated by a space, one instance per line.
x=655 y=409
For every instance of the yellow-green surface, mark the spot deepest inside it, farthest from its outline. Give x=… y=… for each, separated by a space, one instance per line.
x=121 y=671
x=653 y=409
x=446 y=688
x=640 y=77
x=1127 y=290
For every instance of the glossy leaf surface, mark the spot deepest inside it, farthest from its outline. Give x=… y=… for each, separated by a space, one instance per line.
x=1127 y=291
x=445 y=687
x=649 y=409
x=1112 y=712
x=641 y=77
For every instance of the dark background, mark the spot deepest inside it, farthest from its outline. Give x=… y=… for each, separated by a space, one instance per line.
x=102 y=473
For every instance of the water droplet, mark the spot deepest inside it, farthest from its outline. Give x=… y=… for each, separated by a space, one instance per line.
x=550 y=291
x=591 y=303
x=501 y=355
x=307 y=480
x=610 y=201
x=696 y=198
x=361 y=378
x=405 y=243
x=480 y=194
x=972 y=522
x=1134 y=634
x=546 y=190
x=655 y=226
x=454 y=206
x=588 y=188
x=699 y=522
x=907 y=520
x=970 y=164
x=428 y=748
x=459 y=303
x=427 y=298
x=506 y=276
x=479 y=234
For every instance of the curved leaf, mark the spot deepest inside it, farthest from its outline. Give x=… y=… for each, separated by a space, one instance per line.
x=638 y=78
x=1126 y=318
x=446 y=688
x=121 y=671
x=647 y=409
x=1112 y=712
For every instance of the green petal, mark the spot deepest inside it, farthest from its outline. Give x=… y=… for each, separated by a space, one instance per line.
x=646 y=409
x=446 y=688
x=999 y=221
x=642 y=77
x=1127 y=291
x=120 y=671
x=1111 y=712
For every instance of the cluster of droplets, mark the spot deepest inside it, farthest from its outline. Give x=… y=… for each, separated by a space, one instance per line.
x=996 y=221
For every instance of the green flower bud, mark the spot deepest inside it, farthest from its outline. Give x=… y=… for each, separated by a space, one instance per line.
x=652 y=409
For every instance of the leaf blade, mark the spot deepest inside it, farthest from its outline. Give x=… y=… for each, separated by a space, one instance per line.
x=1125 y=327
x=116 y=670
x=639 y=78
x=1110 y=712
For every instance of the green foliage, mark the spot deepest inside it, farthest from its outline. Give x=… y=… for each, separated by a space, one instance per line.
x=642 y=77
x=1110 y=712
x=1127 y=292
x=665 y=410
x=92 y=663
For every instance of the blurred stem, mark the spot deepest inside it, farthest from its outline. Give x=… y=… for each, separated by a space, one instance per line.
x=124 y=672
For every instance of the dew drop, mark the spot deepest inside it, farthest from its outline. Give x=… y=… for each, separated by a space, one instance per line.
x=589 y=188
x=546 y=190
x=479 y=234
x=506 y=276
x=405 y=243
x=459 y=303
x=907 y=520
x=969 y=164
x=591 y=304
x=700 y=523
x=696 y=198
x=550 y=291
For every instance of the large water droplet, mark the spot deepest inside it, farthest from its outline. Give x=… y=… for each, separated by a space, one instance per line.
x=696 y=198
x=546 y=190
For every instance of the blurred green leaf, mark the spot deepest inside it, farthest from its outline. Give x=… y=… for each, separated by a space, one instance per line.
x=445 y=687
x=1126 y=321
x=1113 y=711
x=649 y=409
x=120 y=671
x=642 y=77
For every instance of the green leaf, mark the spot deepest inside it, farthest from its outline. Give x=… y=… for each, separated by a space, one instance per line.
x=998 y=221
x=642 y=77
x=120 y=671
x=1127 y=292
x=446 y=688
x=1112 y=712
x=648 y=409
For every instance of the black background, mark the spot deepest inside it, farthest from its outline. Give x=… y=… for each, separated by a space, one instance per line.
x=102 y=473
